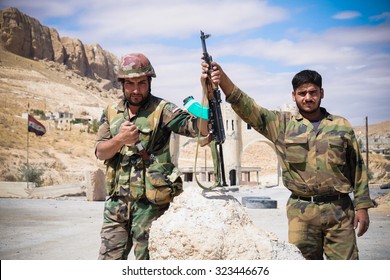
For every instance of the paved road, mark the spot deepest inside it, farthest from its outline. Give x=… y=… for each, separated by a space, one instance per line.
x=48 y=229
x=68 y=229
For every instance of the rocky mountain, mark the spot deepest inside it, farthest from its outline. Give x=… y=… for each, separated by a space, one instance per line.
x=26 y=37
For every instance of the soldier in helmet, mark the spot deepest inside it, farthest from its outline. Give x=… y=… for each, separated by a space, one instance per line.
x=321 y=165
x=133 y=140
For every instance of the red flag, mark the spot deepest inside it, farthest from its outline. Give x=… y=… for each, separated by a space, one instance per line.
x=35 y=126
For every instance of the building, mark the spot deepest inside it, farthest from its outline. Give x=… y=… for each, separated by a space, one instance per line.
x=62 y=120
x=239 y=136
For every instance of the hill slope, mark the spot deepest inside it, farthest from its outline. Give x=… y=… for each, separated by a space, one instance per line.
x=49 y=87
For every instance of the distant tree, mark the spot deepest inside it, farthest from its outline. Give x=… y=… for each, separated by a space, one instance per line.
x=370 y=175
x=32 y=173
x=37 y=112
x=361 y=145
x=95 y=126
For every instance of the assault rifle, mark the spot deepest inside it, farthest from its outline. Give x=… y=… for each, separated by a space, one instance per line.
x=217 y=130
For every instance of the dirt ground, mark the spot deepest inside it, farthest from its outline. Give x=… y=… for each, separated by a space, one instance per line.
x=67 y=228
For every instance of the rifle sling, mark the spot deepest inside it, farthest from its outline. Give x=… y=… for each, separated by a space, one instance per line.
x=214 y=153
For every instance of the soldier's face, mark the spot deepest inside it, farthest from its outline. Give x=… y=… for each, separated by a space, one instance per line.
x=136 y=90
x=308 y=98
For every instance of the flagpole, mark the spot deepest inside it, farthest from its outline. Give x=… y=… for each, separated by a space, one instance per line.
x=368 y=170
x=28 y=171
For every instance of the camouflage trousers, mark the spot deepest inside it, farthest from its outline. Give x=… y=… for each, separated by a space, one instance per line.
x=127 y=224
x=319 y=229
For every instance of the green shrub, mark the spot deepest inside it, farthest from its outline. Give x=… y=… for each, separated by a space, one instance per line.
x=37 y=112
x=32 y=173
x=94 y=127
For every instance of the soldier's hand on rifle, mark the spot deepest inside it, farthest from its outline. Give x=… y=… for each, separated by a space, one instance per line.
x=214 y=74
x=218 y=77
x=209 y=79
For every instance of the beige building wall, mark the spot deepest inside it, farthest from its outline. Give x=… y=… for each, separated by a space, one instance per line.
x=239 y=136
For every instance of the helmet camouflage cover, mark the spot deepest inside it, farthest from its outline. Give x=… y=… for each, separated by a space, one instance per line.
x=134 y=65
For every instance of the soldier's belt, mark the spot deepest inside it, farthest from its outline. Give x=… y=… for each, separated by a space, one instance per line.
x=321 y=199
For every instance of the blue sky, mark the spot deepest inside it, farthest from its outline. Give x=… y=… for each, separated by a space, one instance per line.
x=260 y=44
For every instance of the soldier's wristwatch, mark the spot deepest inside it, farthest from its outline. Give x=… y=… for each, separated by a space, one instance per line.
x=143 y=153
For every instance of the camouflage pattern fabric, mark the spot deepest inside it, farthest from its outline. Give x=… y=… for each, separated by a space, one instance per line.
x=162 y=183
x=134 y=65
x=127 y=166
x=321 y=162
x=125 y=176
x=323 y=229
x=126 y=224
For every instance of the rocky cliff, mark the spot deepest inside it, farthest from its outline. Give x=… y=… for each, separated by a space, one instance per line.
x=25 y=36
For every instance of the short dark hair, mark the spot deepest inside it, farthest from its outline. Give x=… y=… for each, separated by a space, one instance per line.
x=306 y=77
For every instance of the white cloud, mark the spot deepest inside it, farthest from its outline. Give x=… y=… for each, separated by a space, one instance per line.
x=335 y=46
x=152 y=20
x=378 y=34
x=44 y=9
x=383 y=16
x=287 y=52
x=346 y=15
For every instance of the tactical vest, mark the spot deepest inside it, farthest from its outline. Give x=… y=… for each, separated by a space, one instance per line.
x=127 y=174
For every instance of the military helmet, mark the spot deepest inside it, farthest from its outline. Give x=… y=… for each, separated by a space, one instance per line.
x=134 y=65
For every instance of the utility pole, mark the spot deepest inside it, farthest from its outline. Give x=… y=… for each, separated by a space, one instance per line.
x=28 y=169
x=206 y=174
x=367 y=147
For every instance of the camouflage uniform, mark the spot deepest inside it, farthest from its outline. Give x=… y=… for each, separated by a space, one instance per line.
x=128 y=213
x=315 y=163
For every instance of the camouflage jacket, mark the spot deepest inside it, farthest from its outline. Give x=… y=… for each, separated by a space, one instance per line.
x=172 y=119
x=325 y=161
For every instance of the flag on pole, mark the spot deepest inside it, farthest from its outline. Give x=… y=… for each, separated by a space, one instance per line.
x=35 y=126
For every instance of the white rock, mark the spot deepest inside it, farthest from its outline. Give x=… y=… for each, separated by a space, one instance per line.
x=213 y=226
